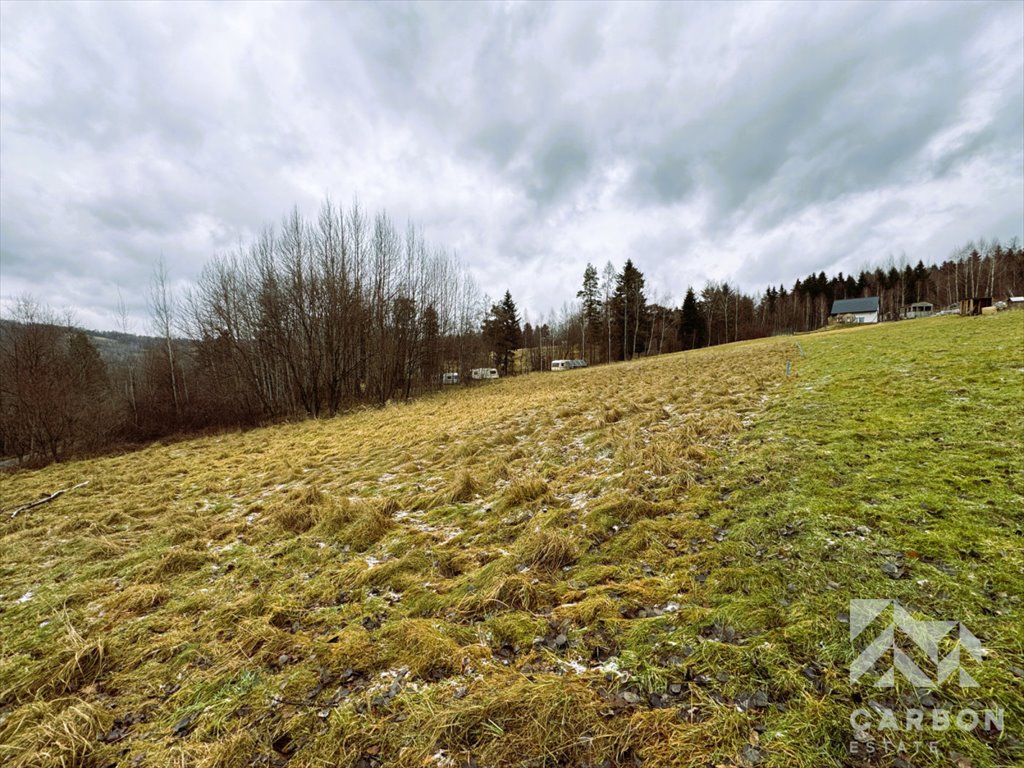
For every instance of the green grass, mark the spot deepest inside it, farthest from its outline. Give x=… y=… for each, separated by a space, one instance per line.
x=648 y=563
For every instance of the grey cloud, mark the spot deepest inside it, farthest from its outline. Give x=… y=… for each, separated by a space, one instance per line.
x=561 y=160
x=664 y=178
x=740 y=141
x=499 y=142
x=826 y=118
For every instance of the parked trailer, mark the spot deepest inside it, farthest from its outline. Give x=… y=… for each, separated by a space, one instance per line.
x=452 y=377
x=566 y=365
x=483 y=373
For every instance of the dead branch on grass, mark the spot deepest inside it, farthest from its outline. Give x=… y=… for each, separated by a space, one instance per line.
x=39 y=502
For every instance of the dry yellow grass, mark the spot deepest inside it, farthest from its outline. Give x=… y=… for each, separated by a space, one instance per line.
x=424 y=584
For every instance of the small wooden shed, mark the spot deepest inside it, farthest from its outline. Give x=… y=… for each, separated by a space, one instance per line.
x=975 y=305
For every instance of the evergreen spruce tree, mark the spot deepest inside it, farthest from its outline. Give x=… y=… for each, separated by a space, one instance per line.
x=503 y=334
x=692 y=330
x=590 y=298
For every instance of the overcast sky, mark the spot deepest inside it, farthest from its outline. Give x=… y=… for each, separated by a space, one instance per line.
x=748 y=142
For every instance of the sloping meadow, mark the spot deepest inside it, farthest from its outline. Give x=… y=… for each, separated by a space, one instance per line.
x=640 y=564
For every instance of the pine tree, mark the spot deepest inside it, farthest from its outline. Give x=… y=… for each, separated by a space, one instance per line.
x=630 y=304
x=692 y=332
x=503 y=334
x=431 y=359
x=590 y=298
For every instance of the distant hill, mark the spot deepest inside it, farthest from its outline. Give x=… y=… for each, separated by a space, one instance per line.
x=114 y=347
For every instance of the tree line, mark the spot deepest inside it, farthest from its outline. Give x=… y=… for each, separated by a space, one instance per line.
x=613 y=318
x=318 y=316
x=311 y=318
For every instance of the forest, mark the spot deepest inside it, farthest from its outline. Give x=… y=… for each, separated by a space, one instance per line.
x=319 y=316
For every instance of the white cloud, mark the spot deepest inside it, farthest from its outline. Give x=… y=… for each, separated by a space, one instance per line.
x=748 y=142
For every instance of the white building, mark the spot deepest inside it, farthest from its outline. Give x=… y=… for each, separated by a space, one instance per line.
x=919 y=309
x=856 y=310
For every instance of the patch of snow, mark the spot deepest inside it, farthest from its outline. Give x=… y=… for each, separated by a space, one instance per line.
x=441 y=759
x=26 y=597
x=578 y=501
x=610 y=667
x=388 y=676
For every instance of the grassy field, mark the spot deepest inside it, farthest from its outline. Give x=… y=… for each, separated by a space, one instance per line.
x=641 y=564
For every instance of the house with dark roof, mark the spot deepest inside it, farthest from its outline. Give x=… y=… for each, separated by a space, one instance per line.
x=856 y=310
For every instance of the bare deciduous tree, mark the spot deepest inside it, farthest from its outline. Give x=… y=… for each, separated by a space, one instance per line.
x=163 y=308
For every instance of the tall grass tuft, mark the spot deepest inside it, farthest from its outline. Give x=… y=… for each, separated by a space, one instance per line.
x=548 y=549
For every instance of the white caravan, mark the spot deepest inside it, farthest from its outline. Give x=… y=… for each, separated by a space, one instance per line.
x=565 y=365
